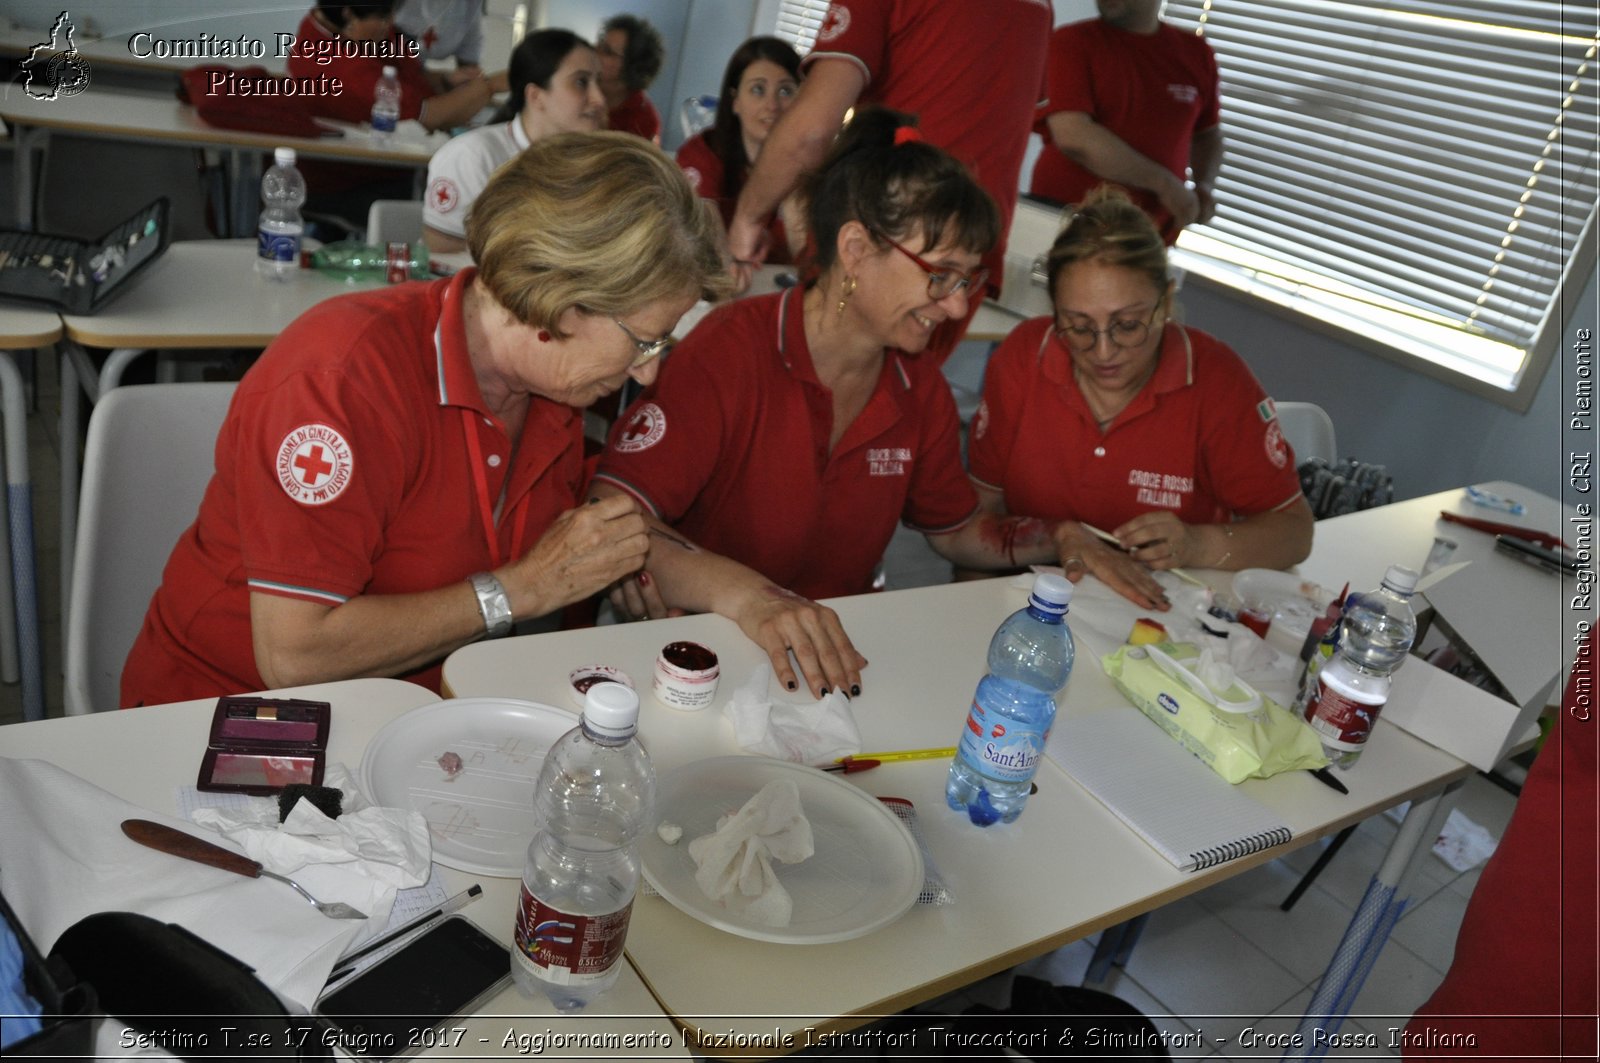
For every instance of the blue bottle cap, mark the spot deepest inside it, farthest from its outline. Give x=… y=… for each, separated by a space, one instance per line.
x=1051 y=593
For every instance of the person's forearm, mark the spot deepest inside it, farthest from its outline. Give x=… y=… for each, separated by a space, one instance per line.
x=1205 y=156
x=1103 y=153
x=1274 y=540
x=456 y=107
x=996 y=541
x=800 y=140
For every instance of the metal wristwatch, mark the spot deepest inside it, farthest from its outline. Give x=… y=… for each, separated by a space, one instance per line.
x=492 y=603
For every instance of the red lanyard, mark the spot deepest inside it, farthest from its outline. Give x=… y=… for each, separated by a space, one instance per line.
x=486 y=508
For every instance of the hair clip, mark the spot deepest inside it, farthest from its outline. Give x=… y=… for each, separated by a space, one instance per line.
x=906 y=134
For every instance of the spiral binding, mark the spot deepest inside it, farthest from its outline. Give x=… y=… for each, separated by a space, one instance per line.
x=1219 y=854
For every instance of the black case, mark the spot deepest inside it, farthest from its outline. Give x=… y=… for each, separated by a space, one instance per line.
x=81 y=276
x=68 y=1006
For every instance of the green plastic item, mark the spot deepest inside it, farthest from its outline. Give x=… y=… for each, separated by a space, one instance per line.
x=1239 y=732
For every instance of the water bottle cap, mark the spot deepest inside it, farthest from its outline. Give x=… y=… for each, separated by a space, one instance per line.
x=283 y=156
x=611 y=709
x=389 y=72
x=1051 y=593
x=1401 y=579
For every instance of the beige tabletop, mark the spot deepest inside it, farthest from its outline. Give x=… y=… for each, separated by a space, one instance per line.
x=171 y=739
x=26 y=325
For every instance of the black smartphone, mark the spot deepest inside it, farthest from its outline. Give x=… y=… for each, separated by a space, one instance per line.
x=397 y=1005
x=1552 y=560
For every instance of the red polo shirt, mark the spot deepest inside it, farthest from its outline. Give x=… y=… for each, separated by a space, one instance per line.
x=358 y=74
x=703 y=167
x=731 y=446
x=344 y=468
x=1201 y=438
x=637 y=115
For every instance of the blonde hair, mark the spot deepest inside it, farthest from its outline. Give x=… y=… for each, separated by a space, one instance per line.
x=1107 y=227
x=603 y=223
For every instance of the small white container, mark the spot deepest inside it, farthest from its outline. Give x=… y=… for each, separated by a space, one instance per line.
x=686 y=676
x=581 y=679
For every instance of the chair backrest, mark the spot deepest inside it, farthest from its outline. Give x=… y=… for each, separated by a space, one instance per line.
x=394 y=220
x=146 y=464
x=1309 y=430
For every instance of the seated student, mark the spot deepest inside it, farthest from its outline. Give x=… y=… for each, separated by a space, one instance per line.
x=445 y=29
x=1115 y=415
x=790 y=433
x=554 y=77
x=402 y=471
x=760 y=82
x=631 y=54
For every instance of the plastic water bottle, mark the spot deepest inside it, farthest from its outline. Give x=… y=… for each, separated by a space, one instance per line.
x=281 y=227
x=594 y=797
x=1030 y=660
x=386 y=107
x=1374 y=637
x=354 y=261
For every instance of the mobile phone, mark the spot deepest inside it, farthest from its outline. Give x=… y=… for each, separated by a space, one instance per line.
x=1536 y=554
x=395 y=1006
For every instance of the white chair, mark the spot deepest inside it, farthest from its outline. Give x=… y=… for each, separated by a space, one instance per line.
x=148 y=459
x=1309 y=430
x=394 y=221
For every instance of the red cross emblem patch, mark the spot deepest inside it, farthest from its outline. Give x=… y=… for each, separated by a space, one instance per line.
x=314 y=464
x=443 y=196
x=643 y=430
x=835 y=22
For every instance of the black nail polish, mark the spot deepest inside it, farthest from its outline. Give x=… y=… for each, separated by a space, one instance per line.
x=790 y=684
x=826 y=691
x=855 y=690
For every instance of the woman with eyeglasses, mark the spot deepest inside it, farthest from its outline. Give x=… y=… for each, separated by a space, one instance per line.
x=1111 y=416
x=789 y=434
x=402 y=472
x=758 y=85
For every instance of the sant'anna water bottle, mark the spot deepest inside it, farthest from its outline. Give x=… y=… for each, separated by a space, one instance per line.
x=279 y=232
x=385 y=107
x=1030 y=661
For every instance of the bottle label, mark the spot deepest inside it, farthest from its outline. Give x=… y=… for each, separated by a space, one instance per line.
x=565 y=949
x=277 y=247
x=1004 y=750
x=397 y=262
x=383 y=123
x=1340 y=721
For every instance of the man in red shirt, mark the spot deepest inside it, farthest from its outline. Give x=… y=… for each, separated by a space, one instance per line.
x=1132 y=101
x=970 y=72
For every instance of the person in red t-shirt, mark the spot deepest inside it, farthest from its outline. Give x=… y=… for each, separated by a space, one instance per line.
x=758 y=85
x=1132 y=101
x=402 y=471
x=789 y=434
x=1113 y=416
x=971 y=72
x=631 y=54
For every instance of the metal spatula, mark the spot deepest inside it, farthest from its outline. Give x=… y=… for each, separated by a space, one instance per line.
x=179 y=843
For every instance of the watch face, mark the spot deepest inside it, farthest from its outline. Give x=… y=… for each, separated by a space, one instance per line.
x=493 y=603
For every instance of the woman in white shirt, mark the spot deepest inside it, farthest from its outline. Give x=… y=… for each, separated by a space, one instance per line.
x=555 y=88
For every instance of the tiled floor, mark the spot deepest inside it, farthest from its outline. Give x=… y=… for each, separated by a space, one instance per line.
x=1219 y=962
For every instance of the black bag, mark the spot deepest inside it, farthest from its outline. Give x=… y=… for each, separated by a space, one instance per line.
x=67 y=1006
x=1349 y=486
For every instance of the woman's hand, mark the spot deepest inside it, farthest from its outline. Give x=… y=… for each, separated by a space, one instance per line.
x=583 y=551
x=638 y=598
x=1162 y=541
x=782 y=622
x=1083 y=552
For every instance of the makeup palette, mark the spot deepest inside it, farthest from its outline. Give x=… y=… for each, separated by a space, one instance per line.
x=260 y=745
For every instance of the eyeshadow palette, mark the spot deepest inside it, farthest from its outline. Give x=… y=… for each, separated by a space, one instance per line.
x=81 y=276
x=260 y=745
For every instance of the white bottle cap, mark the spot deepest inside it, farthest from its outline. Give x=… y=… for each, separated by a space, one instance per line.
x=283 y=156
x=1401 y=579
x=611 y=709
x=390 y=72
x=1051 y=593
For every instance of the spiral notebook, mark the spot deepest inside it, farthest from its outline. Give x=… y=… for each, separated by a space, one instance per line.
x=1186 y=811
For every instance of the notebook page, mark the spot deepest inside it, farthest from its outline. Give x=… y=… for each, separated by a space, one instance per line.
x=1183 y=809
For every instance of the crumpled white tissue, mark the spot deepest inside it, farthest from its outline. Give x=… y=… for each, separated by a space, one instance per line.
x=817 y=733
x=734 y=864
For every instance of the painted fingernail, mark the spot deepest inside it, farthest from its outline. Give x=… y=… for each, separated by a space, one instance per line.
x=855 y=690
x=644 y=578
x=826 y=691
x=790 y=684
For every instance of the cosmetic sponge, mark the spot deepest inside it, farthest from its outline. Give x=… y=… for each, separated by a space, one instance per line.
x=328 y=800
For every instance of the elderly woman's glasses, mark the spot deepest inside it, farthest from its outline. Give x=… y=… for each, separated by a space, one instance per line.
x=1124 y=332
x=648 y=349
x=942 y=282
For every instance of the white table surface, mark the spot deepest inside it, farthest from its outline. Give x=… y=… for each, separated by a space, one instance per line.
x=169 y=741
x=1068 y=868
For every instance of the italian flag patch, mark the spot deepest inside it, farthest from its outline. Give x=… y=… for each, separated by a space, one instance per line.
x=1267 y=409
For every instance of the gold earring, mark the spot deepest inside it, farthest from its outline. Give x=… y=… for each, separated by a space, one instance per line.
x=846 y=290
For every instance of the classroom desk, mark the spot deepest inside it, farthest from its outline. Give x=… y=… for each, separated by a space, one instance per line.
x=1070 y=868
x=22 y=327
x=160 y=119
x=199 y=294
x=170 y=739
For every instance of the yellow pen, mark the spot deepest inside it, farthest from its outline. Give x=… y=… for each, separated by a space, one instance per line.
x=905 y=754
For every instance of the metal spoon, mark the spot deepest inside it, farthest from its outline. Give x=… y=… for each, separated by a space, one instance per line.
x=179 y=843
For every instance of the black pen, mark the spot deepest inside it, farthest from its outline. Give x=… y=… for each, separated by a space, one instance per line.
x=1324 y=776
x=460 y=900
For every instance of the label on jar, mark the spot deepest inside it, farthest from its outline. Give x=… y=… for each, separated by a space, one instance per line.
x=568 y=949
x=1339 y=720
x=1006 y=750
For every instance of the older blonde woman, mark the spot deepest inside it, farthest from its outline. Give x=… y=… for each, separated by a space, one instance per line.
x=402 y=471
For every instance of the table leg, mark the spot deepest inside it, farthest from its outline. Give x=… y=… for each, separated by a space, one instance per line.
x=24 y=565
x=1386 y=898
x=29 y=144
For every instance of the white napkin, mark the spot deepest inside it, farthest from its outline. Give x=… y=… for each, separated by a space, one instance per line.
x=818 y=733
x=63 y=856
x=735 y=863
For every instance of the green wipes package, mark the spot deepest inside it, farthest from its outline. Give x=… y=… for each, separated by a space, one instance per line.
x=1238 y=731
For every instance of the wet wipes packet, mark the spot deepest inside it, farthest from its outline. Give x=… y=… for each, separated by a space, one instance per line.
x=1236 y=730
